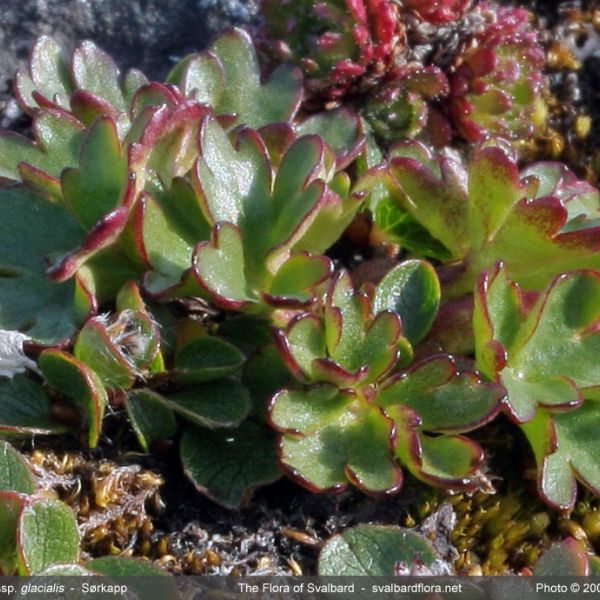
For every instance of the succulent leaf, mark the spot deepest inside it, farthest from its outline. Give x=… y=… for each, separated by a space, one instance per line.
x=97 y=186
x=441 y=11
x=351 y=346
x=253 y=103
x=58 y=136
x=336 y=42
x=514 y=346
x=496 y=88
x=566 y=449
x=264 y=227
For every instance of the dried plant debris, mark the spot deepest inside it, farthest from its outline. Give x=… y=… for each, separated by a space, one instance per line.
x=114 y=503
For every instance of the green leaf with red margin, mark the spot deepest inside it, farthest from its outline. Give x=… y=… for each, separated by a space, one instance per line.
x=374 y=550
x=488 y=211
x=412 y=290
x=98 y=184
x=219 y=267
x=46 y=534
x=234 y=184
x=199 y=76
x=436 y=397
x=547 y=358
x=356 y=338
x=164 y=141
x=254 y=103
x=95 y=349
x=183 y=210
x=350 y=347
x=48 y=75
x=25 y=409
x=296 y=279
x=446 y=397
x=15 y=475
x=161 y=249
x=58 y=136
x=94 y=71
x=228 y=465
x=566 y=448
x=11 y=504
x=331 y=438
x=152 y=420
x=79 y=384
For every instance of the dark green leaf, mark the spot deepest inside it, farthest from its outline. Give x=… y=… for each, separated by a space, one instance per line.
x=151 y=419
x=212 y=404
x=205 y=359
x=228 y=465
x=565 y=558
x=411 y=289
x=11 y=504
x=15 y=475
x=74 y=380
x=25 y=408
x=374 y=550
x=46 y=534
x=33 y=230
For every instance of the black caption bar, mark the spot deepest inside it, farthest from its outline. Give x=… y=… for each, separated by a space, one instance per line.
x=299 y=588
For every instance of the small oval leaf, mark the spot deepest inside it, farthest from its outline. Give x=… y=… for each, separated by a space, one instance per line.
x=412 y=289
x=46 y=535
x=205 y=359
x=15 y=475
x=374 y=550
x=150 y=417
x=228 y=465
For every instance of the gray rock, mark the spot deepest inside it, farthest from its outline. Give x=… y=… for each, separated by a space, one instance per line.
x=148 y=34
